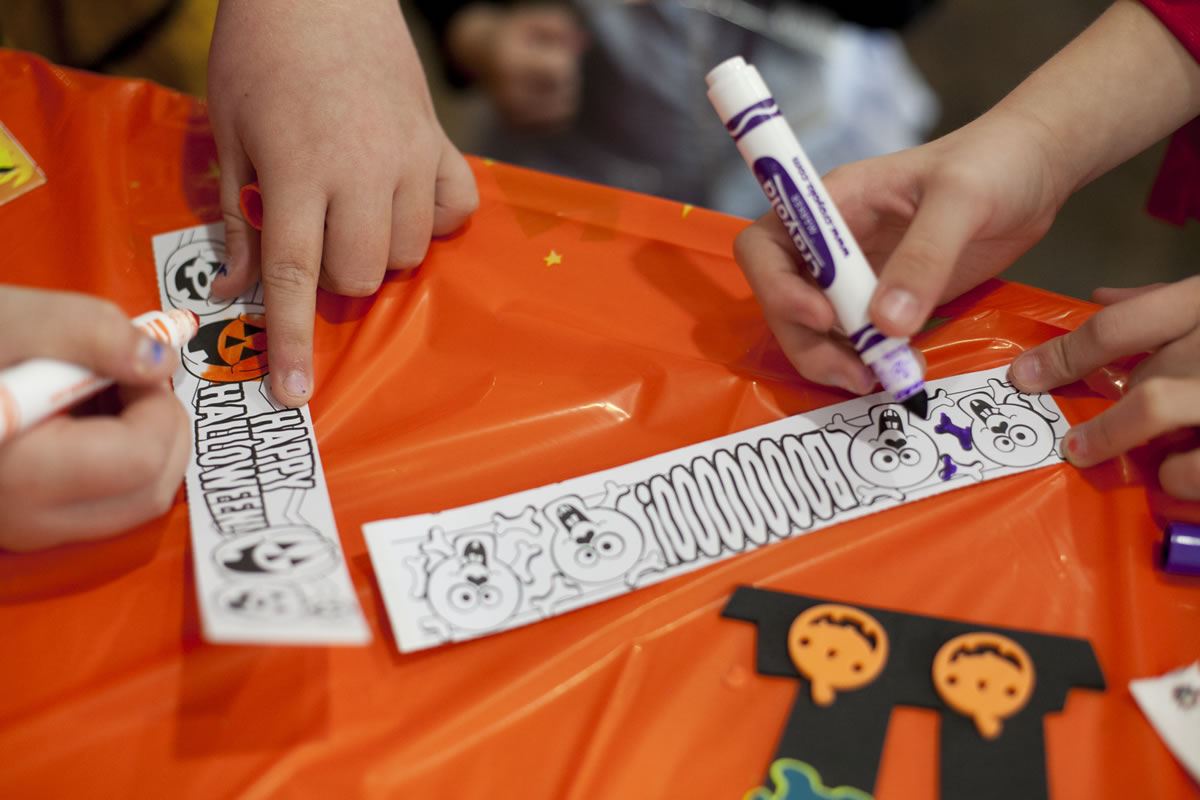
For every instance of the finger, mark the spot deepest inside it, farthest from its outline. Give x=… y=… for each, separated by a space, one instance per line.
x=242 y=242
x=1106 y=296
x=769 y=261
x=72 y=459
x=455 y=196
x=412 y=219
x=823 y=359
x=915 y=276
x=292 y=242
x=795 y=310
x=79 y=521
x=83 y=330
x=1177 y=359
x=1139 y=324
x=1180 y=475
x=356 y=241
x=1150 y=409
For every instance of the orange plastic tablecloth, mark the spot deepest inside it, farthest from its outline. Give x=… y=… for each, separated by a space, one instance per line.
x=489 y=372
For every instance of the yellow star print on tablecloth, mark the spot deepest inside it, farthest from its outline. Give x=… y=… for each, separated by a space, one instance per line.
x=552 y=259
x=18 y=173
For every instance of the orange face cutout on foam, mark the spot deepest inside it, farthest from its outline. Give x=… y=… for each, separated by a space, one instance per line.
x=985 y=676
x=837 y=647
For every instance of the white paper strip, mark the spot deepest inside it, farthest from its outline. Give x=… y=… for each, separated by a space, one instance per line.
x=1172 y=704
x=269 y=564
x=503 y=563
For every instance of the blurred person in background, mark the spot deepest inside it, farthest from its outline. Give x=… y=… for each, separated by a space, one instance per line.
x=614 y=92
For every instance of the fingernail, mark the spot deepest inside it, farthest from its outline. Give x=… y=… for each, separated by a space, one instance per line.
x=1075 y=443
x=1026 y=369
x=838 y=381
x=899 y=307
x=296 y=383
x=150 y=355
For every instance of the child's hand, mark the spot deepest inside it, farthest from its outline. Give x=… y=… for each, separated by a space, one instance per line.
x=934 y=221
x=75 y=478
x=326 y=104
x=527 y=59
x=1163 y=393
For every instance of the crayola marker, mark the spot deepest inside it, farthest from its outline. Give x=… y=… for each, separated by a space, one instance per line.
x=800 y=200
x=37 y=388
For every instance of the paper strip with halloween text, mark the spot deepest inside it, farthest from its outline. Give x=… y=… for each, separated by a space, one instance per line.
x=269 y=564
x=491 y=566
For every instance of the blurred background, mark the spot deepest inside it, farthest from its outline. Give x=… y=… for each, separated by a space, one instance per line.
x=969 y=53
x=972 y=53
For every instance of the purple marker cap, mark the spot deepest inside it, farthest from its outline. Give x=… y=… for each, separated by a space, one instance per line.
x=1181 y=549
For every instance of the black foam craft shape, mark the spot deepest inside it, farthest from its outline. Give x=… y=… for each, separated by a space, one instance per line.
x=843 y=741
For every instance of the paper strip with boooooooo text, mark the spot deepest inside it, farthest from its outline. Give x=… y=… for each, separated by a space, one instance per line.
x=269 y=564
x=491 y=566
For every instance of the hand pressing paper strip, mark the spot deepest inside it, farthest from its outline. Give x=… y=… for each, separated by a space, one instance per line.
x=500 y=564
x=269 y=563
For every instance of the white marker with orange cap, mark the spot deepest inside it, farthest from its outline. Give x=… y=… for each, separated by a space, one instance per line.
x=40 y=387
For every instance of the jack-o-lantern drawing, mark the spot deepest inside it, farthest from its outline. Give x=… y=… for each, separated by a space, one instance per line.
x=229 y=350
x=837 y=648
x=984 y=676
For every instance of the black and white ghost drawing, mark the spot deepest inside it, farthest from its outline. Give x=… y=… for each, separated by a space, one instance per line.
x=890 y=450
x=285 y=552
x=592 y=544
x=471 y=588
x=1005 y=426
x=188 y=275
x=262 y=600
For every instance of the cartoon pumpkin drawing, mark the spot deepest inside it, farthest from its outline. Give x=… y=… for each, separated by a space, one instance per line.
x=229 y=350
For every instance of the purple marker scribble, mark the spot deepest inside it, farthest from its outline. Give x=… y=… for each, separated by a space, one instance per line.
x=962 y=434
x=948 y=467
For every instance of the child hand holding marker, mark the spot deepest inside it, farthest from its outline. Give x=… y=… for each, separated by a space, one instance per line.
x=72 y=478
x=939 y=219
x=326 y=105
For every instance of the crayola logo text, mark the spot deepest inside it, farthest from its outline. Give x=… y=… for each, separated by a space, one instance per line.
x=797 y=219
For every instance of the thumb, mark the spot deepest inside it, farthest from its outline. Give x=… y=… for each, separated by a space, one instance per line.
x=919 y=269
x=455 y=194
x=83 y=330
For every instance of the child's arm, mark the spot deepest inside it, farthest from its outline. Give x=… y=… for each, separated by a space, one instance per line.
x=941 y=218
x=326 y=105
x=70 y=477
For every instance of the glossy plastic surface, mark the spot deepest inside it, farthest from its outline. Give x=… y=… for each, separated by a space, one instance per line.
x=495 y=369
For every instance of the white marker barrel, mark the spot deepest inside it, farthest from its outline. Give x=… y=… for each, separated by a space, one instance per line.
x=37 y=388
x=800 y=200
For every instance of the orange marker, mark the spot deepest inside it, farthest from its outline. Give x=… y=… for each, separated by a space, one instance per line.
x=40 y=387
